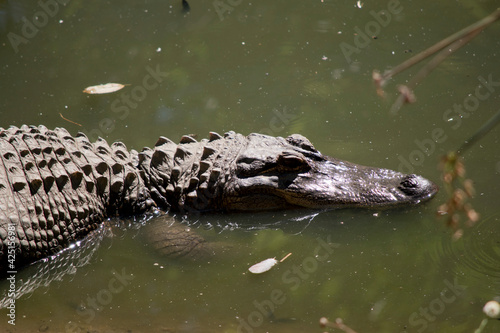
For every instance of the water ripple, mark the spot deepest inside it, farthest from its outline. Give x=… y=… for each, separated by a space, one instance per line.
x=476 y=256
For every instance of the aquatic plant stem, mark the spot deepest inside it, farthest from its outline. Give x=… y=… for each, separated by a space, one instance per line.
x=478 y=26
x=488 y=126
x=481 y=326
x=406 y=91
x=453 y=43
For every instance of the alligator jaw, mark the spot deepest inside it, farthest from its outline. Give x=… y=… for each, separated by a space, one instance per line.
x=283 y=176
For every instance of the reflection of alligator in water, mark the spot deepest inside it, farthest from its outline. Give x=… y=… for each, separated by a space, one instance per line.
x=56 y=188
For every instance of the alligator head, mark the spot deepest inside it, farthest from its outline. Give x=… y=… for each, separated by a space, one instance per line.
x=273 y=172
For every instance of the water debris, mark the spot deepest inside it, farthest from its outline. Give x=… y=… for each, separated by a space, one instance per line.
x=339 y=323
x=289 y=254
x=263 y=266
x=492 y=309
x=266 y=265
x=186 y=8
x=71 y=121
x=104 y=88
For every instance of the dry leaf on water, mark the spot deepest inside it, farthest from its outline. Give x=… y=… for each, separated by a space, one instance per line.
x=104 y=88
x=266 y=265
x=263 y=266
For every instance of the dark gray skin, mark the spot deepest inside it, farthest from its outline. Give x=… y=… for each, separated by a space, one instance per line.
x=56 y=188
x=278 y=173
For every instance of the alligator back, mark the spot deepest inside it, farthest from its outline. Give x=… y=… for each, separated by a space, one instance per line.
x=55 y=189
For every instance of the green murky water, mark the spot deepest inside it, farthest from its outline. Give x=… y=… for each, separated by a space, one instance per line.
x=278 y=68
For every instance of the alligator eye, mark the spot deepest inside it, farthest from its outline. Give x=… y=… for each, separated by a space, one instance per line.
x=292 y=162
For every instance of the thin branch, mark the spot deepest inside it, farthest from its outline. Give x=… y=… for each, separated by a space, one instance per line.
x=406 y=92
x=480 y=25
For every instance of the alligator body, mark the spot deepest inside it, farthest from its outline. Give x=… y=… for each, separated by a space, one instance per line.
x=56 y=188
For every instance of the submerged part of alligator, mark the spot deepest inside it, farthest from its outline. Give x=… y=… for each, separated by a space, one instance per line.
x=56 y=188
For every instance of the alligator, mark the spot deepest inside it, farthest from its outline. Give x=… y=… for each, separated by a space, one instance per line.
x=56 y=188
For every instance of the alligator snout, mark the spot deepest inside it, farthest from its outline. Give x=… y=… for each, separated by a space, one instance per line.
x=282 y=173
x=417 y=187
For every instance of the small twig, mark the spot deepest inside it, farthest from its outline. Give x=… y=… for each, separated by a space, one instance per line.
x=71 y=121
x=289 y=254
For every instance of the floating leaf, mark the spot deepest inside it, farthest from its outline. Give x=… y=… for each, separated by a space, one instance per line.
x=263 y=266
x=104 y=88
